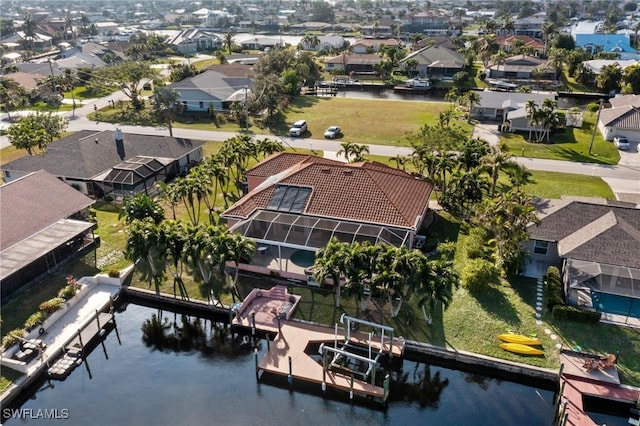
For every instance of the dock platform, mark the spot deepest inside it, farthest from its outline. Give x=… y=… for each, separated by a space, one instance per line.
x=294 y=345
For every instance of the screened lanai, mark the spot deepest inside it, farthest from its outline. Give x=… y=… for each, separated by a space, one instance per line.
x=311 y=232
x=134 y=176
x=605 y=288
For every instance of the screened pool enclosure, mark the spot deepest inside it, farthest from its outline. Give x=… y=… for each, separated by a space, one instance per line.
x=311 y=232
x=605 y=288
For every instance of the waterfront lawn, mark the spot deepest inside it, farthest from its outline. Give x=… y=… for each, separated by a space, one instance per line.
x=7 y=378
x=570 y=145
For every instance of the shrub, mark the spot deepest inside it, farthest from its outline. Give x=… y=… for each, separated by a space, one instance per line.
x=553 y=273
x=114 y=273
x=35 y=320
x=9 y=340
x=478 y=273
x=474 y=244
x=52 y=305
x=565 y=312
x=108 y=198
x=67 y=292
x=553 y=288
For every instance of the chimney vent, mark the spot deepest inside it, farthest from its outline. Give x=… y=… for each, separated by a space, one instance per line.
x=119 y=135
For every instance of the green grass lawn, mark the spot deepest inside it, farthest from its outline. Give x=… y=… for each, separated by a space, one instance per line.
x=542 y=184
x=358 y=118
x=44 y=107
x=573 y=86
x=571 y=145
x=555 y=185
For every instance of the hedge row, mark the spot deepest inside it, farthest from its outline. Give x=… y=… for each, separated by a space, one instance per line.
x=553 y=288
x=565 y=312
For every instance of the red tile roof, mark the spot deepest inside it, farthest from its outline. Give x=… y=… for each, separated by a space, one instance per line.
x=364 y=192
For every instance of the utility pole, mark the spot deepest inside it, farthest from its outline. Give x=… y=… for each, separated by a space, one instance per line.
x=595 y=127
x=246 y=109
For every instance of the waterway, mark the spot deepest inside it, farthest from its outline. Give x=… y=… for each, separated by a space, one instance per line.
x=189 y=378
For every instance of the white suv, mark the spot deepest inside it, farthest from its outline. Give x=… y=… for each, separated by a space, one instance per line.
x=298 y=128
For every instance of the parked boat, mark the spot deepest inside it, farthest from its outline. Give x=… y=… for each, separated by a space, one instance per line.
x=519 y=348
x=519 y=338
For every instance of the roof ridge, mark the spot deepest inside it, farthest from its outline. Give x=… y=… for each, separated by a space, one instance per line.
x=371 y=172
x=587 y=232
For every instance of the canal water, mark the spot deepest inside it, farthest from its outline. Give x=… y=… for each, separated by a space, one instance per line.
x=175 y=373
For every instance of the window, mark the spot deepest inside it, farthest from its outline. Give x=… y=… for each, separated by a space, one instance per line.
x=201 y=104
x=541 y=247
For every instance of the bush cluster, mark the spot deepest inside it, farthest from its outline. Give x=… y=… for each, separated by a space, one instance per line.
x=564 y=312
x=67 y=292
x=35 y=320
x=553 y=288
x=51 y=305
x=9 y=340
x=114 y=273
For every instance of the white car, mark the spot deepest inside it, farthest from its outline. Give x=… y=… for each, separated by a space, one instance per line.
x=332 y=132
x=621 y=142
x=298 y=128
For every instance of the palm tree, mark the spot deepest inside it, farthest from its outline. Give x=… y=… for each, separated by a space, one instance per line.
x=406 y=264
x=438 y=279
x=445 y=162
x=499 y=58
x=227 y=40
x=548 y=31
x=518 y=174
x=218 y=174
x=144 y=243
x=353 y=152
x=400 y=161
x=166 y=105
x=415 y=38
x=237 y=249
x=310 y=41
x=174 y=236
x=493 y=163
x=472 y=99
x=29 y=27
x=410 y=65
x=330 y=261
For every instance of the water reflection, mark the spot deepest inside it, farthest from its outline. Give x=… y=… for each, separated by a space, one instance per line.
x=424 y=387
x=186 y=334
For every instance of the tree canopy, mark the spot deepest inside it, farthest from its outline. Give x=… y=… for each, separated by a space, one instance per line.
x=126 y=76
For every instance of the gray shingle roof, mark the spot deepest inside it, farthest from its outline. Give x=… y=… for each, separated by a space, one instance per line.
x=593 y=232
x=214 y=84
x=492 y=99
x=33 y=203
x=86 y=154
x=626 y=117
x=431 y=54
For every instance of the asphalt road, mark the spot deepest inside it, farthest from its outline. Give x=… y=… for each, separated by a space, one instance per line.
x=623 y=178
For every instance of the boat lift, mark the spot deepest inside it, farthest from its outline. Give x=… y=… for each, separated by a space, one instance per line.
x=341 y=357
